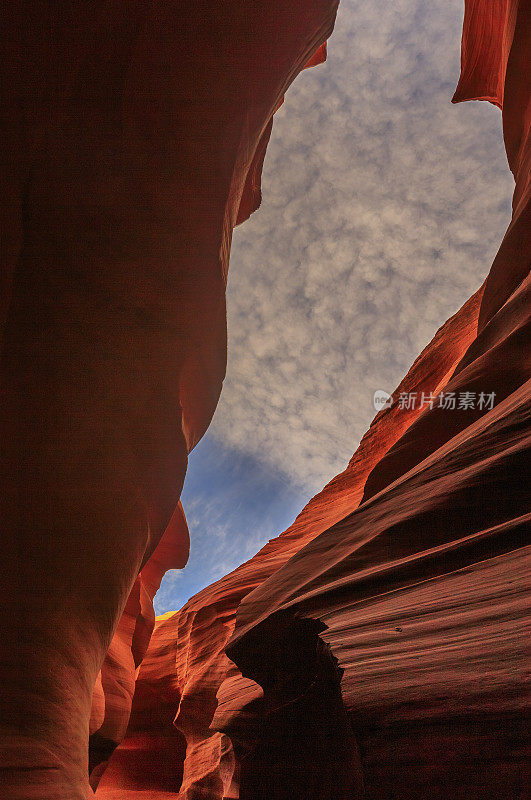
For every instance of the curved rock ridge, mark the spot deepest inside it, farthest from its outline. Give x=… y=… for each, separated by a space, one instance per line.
x=204 y=625
x=411 y=562
x=488 y=30
x=422 y=591
x=133 y=139
x=114 y=689
x=496 y=66
x=115 y=686
x=134 y=630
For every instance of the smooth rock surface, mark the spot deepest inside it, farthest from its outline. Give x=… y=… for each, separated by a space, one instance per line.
x=412 y=561
x=202 y=628
x=133 y=137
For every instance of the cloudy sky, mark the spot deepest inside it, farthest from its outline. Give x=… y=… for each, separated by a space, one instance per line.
x=383 y=207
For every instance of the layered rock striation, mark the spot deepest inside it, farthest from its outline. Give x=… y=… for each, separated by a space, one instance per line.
x=375 y=649
x=133 y=138
x=378 y=641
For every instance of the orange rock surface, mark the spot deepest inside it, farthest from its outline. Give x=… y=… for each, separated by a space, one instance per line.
x=133 y=143
x=423 y=590
x=133 y=138
x=411 y=562
x=202 y=628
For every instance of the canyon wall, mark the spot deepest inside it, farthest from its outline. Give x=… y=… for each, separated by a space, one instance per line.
x=133 y=138
x=422 y=592
x=378 y=641
x=199 y=632
x=398 y=593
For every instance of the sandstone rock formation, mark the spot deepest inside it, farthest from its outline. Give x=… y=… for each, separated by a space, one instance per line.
x=409 y=566
x=133 y=138
x=200 y=631
x=422 y=591
x=380 y=635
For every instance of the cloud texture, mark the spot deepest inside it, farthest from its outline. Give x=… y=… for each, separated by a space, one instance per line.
x=383 y=206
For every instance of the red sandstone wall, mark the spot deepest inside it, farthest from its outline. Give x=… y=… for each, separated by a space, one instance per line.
x=423 y=588
x=419 y=586
x=132 y=146
x=133 y=136
x=204 y=625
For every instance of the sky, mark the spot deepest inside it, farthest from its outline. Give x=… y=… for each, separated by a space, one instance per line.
x=383 y=207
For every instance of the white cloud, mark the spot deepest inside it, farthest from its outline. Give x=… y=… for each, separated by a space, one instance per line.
x=383 y=207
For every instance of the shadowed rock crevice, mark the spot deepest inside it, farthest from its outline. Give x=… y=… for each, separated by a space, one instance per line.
x=100 y=751
x=299 y=741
